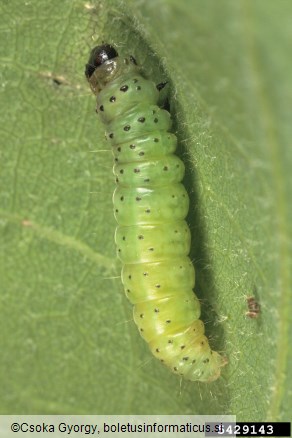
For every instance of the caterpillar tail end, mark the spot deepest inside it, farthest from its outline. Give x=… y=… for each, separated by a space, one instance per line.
x=214 y=373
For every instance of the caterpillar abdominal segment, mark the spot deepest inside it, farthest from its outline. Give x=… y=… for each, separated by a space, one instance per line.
x=150 y=205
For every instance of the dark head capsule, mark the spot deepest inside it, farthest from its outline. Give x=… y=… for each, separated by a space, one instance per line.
x=98 y=56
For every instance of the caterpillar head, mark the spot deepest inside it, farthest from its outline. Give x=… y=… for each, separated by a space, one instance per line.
x=105 y=65
x=102 y=66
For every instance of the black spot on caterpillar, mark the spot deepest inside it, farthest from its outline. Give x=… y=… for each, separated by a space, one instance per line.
x=254 y=307
x=150 y=205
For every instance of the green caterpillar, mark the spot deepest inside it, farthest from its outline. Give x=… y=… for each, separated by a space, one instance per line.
x=150 y=203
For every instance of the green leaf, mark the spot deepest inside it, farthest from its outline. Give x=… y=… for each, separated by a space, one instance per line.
x=68 y=342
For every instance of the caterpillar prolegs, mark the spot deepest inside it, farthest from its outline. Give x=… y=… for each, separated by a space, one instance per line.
x=150 y=205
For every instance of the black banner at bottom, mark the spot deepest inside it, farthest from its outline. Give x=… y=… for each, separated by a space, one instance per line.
x=249 y=429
